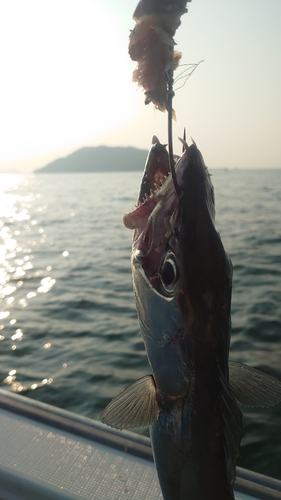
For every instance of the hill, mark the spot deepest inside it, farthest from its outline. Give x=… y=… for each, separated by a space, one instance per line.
x=98 y=159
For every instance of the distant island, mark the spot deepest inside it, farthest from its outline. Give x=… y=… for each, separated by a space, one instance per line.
x=98 y=159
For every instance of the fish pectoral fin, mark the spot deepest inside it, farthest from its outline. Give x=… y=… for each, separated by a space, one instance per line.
x=253 y=387
x=134 y=407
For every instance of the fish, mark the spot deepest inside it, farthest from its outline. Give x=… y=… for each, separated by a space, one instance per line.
x=182 y=280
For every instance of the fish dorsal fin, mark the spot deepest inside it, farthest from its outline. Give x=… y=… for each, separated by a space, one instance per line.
x=252 y=387
x=134 y=407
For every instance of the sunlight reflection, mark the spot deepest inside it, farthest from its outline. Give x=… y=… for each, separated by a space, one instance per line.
x=10 y=255
x=19 y=273
x=10 y=300
x=17 y=386
x=8 y=380
x=46 y=284
x=18 y=335
x=4 y=314
x=27 y=266
x=7 y=290
x=8 y=183
x=3 y=274
x=20 y=234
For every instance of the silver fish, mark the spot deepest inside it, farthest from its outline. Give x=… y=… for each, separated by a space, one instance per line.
x=182 y=280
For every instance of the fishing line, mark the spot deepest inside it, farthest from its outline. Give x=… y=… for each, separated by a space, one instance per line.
x=183 y=76
x=170 y=78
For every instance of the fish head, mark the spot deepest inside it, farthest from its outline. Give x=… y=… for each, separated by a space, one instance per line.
x=181 y=273
x=205 y=295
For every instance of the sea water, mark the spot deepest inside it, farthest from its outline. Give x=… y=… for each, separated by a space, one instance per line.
x=69 y=334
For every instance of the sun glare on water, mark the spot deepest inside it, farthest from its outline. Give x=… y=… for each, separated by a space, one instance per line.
x=20 y=280
x=61 y=64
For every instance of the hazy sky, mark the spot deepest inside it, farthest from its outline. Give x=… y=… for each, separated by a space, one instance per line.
x=66 y=81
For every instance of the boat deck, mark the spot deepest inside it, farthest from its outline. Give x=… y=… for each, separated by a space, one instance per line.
x=47 y=453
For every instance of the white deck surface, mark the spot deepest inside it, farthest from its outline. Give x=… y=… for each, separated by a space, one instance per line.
x=40 y=462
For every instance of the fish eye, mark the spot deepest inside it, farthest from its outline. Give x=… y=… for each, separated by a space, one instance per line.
x=169 y=273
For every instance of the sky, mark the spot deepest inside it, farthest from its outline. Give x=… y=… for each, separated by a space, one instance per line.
x=66 y=82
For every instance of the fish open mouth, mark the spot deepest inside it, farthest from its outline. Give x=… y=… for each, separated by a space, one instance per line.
x=153 y=186
x=156 y=171
x=190 y=177
x=156 y=185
